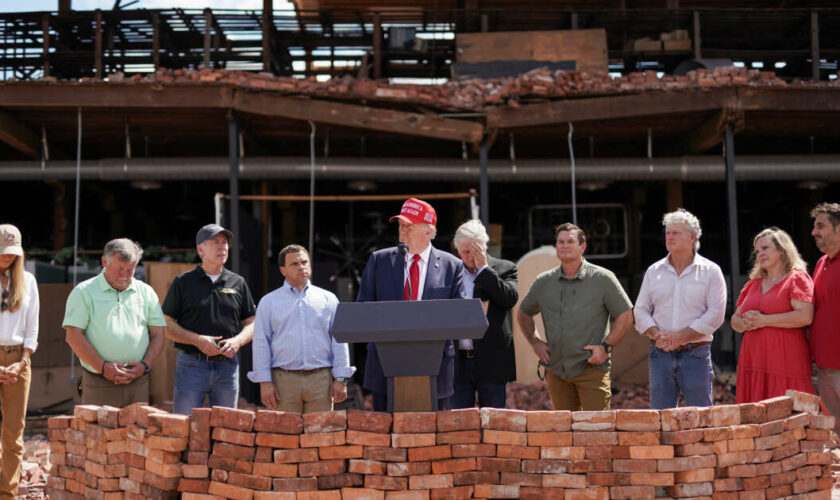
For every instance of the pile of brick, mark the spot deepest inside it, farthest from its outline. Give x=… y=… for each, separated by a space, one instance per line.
x=110 y=453
x=474 y=94
x=772 y=449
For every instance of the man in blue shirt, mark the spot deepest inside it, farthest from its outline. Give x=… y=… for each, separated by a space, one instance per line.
x=300 y=367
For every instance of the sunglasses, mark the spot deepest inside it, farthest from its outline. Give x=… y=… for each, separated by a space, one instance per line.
x=5 y=304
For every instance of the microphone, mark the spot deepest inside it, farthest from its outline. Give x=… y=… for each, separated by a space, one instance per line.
x=403 y=249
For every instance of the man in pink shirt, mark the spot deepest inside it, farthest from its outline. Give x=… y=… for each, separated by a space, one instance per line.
x=825 y=330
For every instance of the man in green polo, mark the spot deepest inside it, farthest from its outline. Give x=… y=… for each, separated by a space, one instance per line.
x=576 y=300
x=115 y=326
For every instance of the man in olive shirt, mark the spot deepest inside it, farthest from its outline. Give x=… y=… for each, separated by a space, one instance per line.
x=576 y=300
x=210 y=316
x=115 y=326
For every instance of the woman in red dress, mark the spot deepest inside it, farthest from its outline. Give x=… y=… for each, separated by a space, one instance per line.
x=773 y=309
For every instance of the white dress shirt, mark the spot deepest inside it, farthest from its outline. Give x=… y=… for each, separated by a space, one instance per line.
x=695 y=299
x=21 y=326
x=422 y=265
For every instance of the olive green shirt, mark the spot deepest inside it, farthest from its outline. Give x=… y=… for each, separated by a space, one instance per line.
x=575 y=313
x=115 y=323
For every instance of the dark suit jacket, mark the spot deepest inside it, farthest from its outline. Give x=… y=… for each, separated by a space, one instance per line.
x=495 y=360
x=384 y=279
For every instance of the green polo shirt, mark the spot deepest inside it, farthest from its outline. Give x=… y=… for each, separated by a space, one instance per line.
x=575 y=313
x=115 y=323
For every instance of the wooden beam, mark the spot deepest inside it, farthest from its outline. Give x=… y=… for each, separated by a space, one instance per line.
x=377 y=46
x=19 y=136
x=608 y=108
x=356 y=116
x=103 y=95
x=267 y=30
x=820 y=100
x=710 y=133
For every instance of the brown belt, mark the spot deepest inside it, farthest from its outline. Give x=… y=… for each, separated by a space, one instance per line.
x=11 y=348
x=303 y=372
x=685 y=347
x=468 y=353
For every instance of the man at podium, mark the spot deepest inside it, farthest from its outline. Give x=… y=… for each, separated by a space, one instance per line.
x=413 y=270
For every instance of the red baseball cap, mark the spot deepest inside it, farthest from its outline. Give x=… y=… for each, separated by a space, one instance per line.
x=416 y=211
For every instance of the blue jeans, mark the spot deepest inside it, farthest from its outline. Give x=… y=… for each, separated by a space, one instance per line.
x=671 y=372
x=196 y=379
x=490 y=394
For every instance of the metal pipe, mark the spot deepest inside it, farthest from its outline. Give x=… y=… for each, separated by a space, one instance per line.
x=233 y=165
x=484 y=183
x=732 y=214
x=824 y=168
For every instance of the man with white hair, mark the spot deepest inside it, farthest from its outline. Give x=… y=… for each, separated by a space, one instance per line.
x=680 y=305
x=115 y=326
x=487 y=364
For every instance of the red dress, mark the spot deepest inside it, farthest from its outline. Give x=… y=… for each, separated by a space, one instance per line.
x=773 y=359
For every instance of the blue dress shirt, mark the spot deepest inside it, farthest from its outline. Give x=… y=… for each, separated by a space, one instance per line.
x=292 y=332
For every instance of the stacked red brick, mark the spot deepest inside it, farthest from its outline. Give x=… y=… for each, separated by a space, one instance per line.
x=110 y=453
x=86 y=453
x=772 y=449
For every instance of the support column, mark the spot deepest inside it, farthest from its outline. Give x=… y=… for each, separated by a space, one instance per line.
x=267 y=28
x=208 y=27
x=815 y=46
x=377 y=46
x=233 y=157
x=45 y=56
x=732 y=214
x=484 y=184
x=156 y=40
x=698 y=54
x=97 y=45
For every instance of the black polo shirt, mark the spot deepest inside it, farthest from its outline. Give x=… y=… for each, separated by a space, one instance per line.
x=207 y=308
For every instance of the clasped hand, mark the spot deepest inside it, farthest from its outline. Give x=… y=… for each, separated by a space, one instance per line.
x=666 y=340
x=753 y=320
x=123 y=373
x=9 y=374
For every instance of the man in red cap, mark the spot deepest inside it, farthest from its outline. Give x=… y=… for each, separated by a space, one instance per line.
x=413 y=270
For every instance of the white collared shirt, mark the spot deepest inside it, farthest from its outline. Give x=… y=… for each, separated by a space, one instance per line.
x=422 y=264
x=694 y=299
x=467 y=290
x=21 y=326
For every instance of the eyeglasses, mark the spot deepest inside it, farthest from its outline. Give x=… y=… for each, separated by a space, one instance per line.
x=5 y=304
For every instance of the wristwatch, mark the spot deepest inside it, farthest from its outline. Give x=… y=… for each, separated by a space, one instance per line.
x=343 y=380
x=26 y=361
x=606 y=347
x=145 y=367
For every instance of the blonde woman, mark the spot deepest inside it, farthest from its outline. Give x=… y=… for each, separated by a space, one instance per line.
x=18 y=340
x=773 y=310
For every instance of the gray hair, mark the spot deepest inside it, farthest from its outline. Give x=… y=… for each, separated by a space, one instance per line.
x=691 y=222
x=473 y=229
x=125 y=249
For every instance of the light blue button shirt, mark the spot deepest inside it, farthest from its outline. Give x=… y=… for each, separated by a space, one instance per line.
x=292 y=331
x=467 y=289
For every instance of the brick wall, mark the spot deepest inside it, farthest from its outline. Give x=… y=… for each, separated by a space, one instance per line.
x=772 y=449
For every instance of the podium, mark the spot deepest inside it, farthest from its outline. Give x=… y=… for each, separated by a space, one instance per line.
x=409 y=338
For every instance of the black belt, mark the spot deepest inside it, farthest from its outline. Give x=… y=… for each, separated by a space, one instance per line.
x=303 y=372
x=200 y=355
x=685 y=347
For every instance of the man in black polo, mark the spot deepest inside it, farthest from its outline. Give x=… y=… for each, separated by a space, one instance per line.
x=209 y=314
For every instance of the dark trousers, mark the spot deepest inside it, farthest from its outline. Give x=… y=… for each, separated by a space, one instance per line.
x=490 y=394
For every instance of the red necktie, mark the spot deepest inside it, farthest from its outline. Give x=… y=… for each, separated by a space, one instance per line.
x=414 y=276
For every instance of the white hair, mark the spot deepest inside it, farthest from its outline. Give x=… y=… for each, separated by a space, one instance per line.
x=691 y=222
x=125 y=249
x=473 y=229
